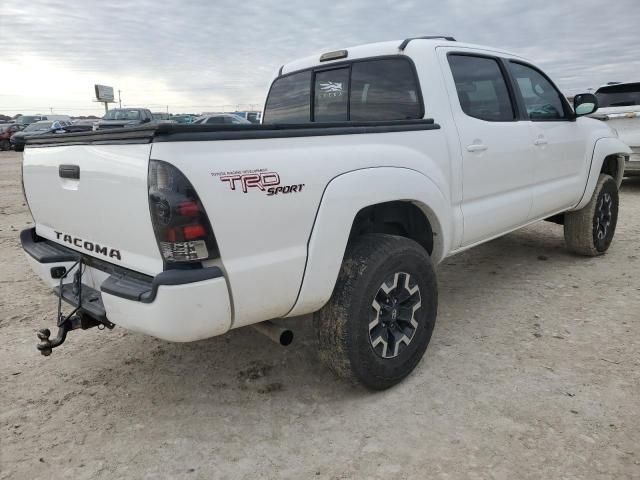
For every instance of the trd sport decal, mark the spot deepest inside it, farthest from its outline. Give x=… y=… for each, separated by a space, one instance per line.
x=261 y=179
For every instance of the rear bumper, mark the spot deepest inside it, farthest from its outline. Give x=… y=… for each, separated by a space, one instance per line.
x=175 y=305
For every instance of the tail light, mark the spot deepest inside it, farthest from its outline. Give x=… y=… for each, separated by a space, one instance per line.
x=179 y=221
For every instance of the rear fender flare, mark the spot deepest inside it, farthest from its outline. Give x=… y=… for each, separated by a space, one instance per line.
x=343 y=198
x=603 y=148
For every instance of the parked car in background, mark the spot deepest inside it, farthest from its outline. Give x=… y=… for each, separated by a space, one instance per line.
x=124 y=117
x=38 y=128
x=162 y=117
x=222 y=119
x=183 y=119
x=253 y=116
x=619 y=106
x=25 y=120
x=29 y=119
x=85 y=122
x=6 y=131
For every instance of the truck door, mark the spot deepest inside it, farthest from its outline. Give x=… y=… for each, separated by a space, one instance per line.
x=560 y=143
x=497 y=152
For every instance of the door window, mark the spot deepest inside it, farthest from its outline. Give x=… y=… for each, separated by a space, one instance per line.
x=542 y=100
x=482 y=89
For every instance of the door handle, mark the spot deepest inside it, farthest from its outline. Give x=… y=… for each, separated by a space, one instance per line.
x=476 y=147
x=540 y=141
x=69 y=171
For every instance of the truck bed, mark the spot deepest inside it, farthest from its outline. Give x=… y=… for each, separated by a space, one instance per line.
x=183 y=133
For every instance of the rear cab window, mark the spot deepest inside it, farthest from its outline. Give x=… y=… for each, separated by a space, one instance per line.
x=289 y=100
x=378 y=89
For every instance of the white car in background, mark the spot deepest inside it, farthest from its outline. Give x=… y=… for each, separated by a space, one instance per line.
x=221 y=119
x=619 y=106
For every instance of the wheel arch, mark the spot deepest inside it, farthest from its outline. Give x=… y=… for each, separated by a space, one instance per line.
x=398 y=217
x=608 y=157
x=355 y=195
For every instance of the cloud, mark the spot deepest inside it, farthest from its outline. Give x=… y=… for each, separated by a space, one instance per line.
x=198 y=54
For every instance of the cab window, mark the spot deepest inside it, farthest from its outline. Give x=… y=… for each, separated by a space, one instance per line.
x=331 y=95
x=482 y=88
x=289 y=99
x=541 y=99
x=382 y=89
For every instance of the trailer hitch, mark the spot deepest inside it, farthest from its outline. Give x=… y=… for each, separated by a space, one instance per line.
x=78 y=318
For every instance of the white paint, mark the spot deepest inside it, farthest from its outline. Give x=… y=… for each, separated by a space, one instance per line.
x=281 y=254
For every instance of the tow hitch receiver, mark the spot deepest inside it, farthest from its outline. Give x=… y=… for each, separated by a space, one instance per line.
x=88 y=312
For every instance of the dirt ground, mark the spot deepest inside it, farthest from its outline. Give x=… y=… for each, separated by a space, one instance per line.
x=533 y=372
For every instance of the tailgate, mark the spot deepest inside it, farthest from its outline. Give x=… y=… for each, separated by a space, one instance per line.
x=94 y=199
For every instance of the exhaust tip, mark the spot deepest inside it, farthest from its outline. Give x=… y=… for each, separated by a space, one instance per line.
x=276 y=333
x=286 y=338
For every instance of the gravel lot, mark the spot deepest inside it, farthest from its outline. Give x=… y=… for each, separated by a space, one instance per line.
x=533 y=372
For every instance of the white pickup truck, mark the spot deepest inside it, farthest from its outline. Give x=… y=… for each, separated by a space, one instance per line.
x=372 y=165
x=619 y=106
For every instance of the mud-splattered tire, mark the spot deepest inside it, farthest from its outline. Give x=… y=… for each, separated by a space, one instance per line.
x=379 y=320
x=589 y=231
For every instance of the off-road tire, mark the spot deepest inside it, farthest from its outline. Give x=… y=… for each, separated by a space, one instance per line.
x=343 y=325
x=590 y=230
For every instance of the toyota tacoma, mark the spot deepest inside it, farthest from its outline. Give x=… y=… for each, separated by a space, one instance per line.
x=372 y=164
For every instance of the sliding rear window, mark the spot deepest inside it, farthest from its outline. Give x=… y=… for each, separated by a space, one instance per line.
x=364 y=90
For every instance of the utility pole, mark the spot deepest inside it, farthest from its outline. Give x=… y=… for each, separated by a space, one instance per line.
x=51 y=109
x=119 y=100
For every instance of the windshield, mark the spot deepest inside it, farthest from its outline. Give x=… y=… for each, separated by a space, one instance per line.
x=623 y=95
x=123 y=114
x=29 y=119
x=39 y=127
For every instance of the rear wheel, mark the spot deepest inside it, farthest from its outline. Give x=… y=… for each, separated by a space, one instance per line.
x=590 y=230
x=379 y=320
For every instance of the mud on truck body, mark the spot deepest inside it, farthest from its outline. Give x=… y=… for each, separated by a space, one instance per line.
x=371 y=166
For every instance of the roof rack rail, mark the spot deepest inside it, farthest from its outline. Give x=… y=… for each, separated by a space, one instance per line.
x=406 y=41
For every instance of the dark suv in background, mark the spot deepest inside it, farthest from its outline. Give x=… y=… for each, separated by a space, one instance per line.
x=124 y=117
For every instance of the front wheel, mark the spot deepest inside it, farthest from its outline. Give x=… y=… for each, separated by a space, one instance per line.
x=589 y=231
x=379 y=320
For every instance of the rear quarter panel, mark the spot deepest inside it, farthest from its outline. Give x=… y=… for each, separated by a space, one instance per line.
x=263 y=239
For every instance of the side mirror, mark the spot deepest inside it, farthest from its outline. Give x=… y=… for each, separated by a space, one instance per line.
x=585 y=104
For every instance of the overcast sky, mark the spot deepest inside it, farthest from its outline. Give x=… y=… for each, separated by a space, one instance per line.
x=200 y=55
